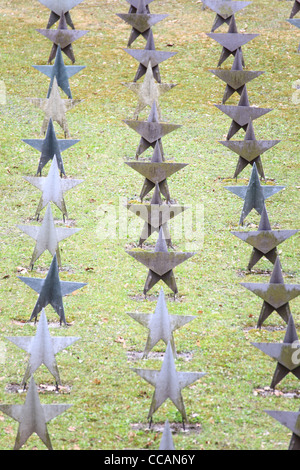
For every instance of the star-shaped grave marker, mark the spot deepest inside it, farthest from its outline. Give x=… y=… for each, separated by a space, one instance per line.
x=63 y=37
x=61 y=71
x=291 y=420
x=156 y=215
x=295 y=8
x=264 y=241
x=231 y=41
x=225 y=10
x=58 y=7
x=286 y=354
x=42 y=349
x=51 y=291
x=55 y=108
x=151 y=131
x=160 y=263
x=47 y=236
x=33 y=417
x=249 y=150
x=236 y=78
x=50 y=146
x=168 y=383
x=141 y=21
x=156 y=172
x=276 y=295
x=53 y=188
x=167 y=442
x=148 y=91
x=149 y=53
x=161 y=325
x=254 y=194
x=242 y=114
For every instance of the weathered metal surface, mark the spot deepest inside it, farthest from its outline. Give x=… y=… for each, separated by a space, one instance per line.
x=42 y=349
x=224 y=9
x=241 y=114
x=148 y=92
x=33 y=417
x=53 y=188
x=63 y=37
x=156 y=215
x=47 y=236
x=168 y=383
x=166 y=442
x=50 y=146
x=51 y=291
x=161 y=325
x=276 y=295
x=249 y=150
x=59 y=6
x=151 y=131
x=286 y=354
x=290 y=419
x=254 y=194
x=61 y=71
x=160 y=263
x=264 y=241
x=236 y=78
x=295 y=8
x=149 y=53
x=55 y=108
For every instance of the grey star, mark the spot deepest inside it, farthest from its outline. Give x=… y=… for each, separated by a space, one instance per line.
x=53 y=188
x=166 y=442
x=225 y=10
x=55 y=108
x=58 y=7
x=42 y=349
x=291 y=420
x=51 y=291
x=33 y=417
x=148 y=91
x=47 y=236
x=161 y=325
x=168 y=383
x=254 y=194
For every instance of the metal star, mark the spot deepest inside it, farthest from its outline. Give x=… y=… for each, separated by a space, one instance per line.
x=62 y=37
x=295 y=9
x=57 y=7
x=156 y=215
x=141 y=21
x=51 y=291
x=296 y=21
x=254 y=194
x=47 y=236
x=284 y=353
x=166 y=442
x=264 y=241
x=241 y=114
x=33 y=417
x=291 y=420
x=249 y=150
x=161 y=325
x=151 y=131
x=144 y=56
x=55 y=108
x=276 y=295
x=236 y=78
x=161 y=263
x=225 y=10
x=53 y=188
x=42 y=349
x=50 y=146
x=231 y=41
x=61 y=71
x=156 y=172
x=148 y=91
x=168 y=383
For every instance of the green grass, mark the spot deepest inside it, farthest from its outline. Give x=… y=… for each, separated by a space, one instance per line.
x=110 y=402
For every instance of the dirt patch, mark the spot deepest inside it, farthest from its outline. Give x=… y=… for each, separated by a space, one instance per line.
x=138 y=355
x=42 y=388
x=176 y=428
x=268 y=392
x=153 y=297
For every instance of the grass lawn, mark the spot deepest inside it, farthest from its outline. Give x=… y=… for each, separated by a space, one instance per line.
x=110 y=402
